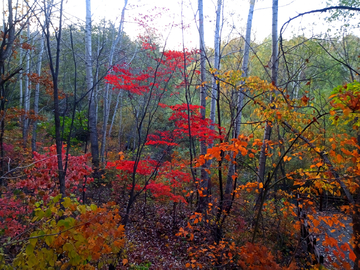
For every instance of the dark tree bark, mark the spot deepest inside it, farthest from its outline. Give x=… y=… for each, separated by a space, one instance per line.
x=54 y=63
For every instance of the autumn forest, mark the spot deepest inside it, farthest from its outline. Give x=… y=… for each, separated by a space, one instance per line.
x=122 y=153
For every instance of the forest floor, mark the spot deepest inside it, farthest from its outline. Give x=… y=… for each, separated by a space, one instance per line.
x=342 y=234
x=151 y=233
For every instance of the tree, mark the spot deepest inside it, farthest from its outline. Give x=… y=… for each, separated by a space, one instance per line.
x=90 y=89
x=146 y=89
x=240 y=98
x=205 y=182
x=245 y=66
x=9 y=35
x=37 y=94
x=27 y=93
x=106 y=94
x=217 y=42
x=54 y=59
x=274 y=70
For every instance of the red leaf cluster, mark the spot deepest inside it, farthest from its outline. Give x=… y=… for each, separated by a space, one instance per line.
x=12 y=213
x=170 y=175
x=42 y=177
x=183 y=115
x=127 y=80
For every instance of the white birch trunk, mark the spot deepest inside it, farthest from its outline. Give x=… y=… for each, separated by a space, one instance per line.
x=202 y=59
x=107 y=99
x=204 y=183
x=214 y=91
x=97 y=80
x=37 y=94
x=240 y=101
x=274 y=71
x=21 y=79
x=37 y=88
x=89 y=83
x=118 y=102
x=244 y=67
x=27 y=93
x=21 y=100
x=274 y=57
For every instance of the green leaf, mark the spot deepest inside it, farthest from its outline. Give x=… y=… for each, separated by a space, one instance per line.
x=53 y=223
x=79 y=238
x=29 y=250
x=48 y=213
x=67 y=224
x=33 y=242
x=68 y=247
x=76 y=258
x=61 y=223
x=60 y=213
x=71 y=221
x=32 y=261
x=52 y=262
x=39 y=213
x=49 y=240
x=57 y=198
x=67 y=202
x=93 y=207
x=81 y=209
x=49 y=253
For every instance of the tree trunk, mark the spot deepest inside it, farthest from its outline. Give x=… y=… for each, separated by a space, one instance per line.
x=268 y=128
x=274 y=57
x=54 y=68
x=106 y=94
x=118 y=102
x=5 y=51
x=274 y=71
x=89 y=83
x=244 y=67
x=21 y=99
x=27 y=94
x=204 y=182
x=214 y=93
x=37 y=94
x=106 y=107
x=356 y=233
x=97 y=80
x=232 y=167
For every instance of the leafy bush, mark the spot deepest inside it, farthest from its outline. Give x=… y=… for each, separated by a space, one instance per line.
x=79 y=133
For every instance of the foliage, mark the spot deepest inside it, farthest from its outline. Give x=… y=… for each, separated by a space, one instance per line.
x=40 y=176
x=73 y=235
x=37 y=186
x=169 y=177
x=79 y=132
x=14 y=214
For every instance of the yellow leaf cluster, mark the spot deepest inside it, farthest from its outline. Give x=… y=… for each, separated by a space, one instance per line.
x=83 y=235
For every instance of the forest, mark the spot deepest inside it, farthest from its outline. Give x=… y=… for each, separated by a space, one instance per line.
x=122 y=153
